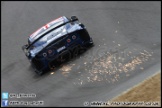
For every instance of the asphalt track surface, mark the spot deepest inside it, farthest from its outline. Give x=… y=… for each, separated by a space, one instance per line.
x=127 y=38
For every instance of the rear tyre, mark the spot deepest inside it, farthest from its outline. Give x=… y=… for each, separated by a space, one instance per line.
x=76 y=51
x=82 y=50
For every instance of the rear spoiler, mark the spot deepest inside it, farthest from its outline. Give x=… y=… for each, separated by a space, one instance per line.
x=73 y=18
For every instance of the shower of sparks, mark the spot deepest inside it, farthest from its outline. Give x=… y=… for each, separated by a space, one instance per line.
x=66 y=68
x=116 y=31
x=108 y=68
x=141 y=68
x=118 y=44
x=148 y=53
x=127 y=75
x=65 y=72
x=81 y=82
x=52 y=73
x=118 y=22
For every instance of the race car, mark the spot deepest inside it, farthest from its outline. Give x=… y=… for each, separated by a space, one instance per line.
x=57 y=41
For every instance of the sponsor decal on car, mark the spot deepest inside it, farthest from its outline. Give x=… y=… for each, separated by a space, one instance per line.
x=61 y=48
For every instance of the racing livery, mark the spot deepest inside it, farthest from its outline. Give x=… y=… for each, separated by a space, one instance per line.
x=56 y=42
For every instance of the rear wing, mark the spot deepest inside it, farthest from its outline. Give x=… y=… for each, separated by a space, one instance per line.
x=72 y=19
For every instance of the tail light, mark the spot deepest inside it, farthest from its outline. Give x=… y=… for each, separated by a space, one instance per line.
x=49 y=51
x=68 y=40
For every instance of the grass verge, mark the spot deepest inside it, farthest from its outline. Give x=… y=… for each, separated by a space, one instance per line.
x=147 y=93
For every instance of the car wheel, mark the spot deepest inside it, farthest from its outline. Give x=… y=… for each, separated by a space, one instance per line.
x=82 y=50
x=75 y=52
x=39 y=72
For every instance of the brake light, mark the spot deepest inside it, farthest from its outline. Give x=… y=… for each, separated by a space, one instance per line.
x=68 y=40
x=49 y=51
